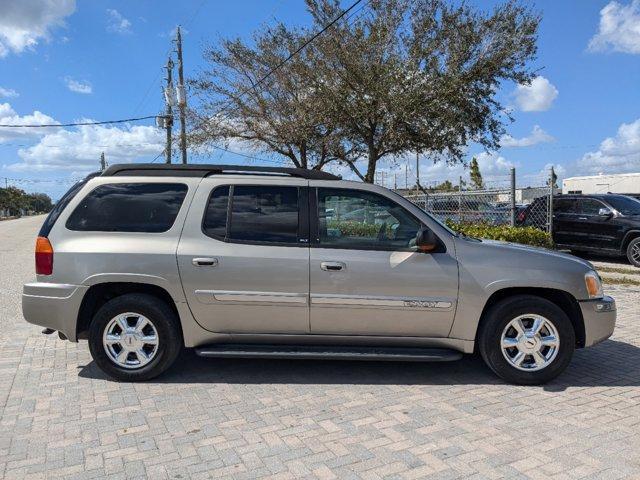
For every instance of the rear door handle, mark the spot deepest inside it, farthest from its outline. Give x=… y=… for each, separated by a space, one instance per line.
x=582 y=218
x=333 y=266
x=205 y=262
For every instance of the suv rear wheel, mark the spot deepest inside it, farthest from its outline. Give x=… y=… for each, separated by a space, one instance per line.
x=633 y=252
x=134 y=337
x=527 y=340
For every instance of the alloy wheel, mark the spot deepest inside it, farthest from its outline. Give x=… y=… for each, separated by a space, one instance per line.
x=130 y=340
x=530 y=342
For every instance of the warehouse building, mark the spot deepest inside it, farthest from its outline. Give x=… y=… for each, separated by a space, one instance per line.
x=617 y=183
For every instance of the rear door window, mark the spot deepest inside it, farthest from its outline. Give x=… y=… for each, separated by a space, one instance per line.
x=262 y=214
x=265 y=214
x=129 y=207
x=564 y=205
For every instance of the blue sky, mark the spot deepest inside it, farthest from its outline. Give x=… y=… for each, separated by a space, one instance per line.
x=102 y=60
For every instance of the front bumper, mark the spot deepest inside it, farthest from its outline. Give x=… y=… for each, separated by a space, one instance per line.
x=599 y=317
x=53 y=305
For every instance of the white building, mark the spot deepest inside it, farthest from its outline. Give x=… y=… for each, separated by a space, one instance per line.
x=617 y=183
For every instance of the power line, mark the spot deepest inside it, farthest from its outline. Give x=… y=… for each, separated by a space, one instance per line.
x=77 y=124
x=247 y=156
x=304 y=45
x=291 y=55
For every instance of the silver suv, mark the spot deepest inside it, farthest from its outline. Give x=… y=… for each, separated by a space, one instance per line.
x=142 y=260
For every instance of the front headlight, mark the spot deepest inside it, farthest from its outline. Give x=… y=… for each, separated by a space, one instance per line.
x=593 y=284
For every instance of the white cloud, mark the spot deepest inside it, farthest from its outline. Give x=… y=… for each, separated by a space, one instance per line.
x=116 y=23
x=8 y=93
x=24 y=23
x=494 y=168
x=78 y=86
x=538 y=135
x=8 y=116
x=619 y=29
x=536 y=97
x=617 y=154
x=79 y=149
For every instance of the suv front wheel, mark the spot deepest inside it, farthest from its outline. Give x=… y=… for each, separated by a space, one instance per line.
x=134 y=337
x=526 y=340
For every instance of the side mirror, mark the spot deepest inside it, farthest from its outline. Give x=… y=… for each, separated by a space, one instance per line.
x=605 y=212
x=426 y=240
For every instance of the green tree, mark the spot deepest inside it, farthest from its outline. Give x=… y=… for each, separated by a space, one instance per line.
x=14 y=200
x=400 y=76
x=282 y=115
x=475 y=175
x=553 y=180
x=39 y=202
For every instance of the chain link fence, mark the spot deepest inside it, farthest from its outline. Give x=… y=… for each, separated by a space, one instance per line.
x=502 y=201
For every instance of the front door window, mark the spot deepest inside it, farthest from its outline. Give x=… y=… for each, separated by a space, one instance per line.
x=361 y=220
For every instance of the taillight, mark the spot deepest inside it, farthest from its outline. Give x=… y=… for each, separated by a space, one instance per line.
x=44 y=256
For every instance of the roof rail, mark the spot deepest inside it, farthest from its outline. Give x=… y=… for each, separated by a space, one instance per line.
x=205 y=170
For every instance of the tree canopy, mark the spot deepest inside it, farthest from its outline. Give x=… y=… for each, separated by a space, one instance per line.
x=475 y=175
x=13 y=200
x=399 y=76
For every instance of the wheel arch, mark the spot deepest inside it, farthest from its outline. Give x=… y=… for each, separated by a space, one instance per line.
x=562 y=299
x=100 y=293
x=630 y=235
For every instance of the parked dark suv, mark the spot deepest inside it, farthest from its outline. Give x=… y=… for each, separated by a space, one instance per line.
x=606 y=224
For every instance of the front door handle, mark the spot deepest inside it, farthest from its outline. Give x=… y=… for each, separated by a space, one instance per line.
x=205 y=262
x=333 y=266
x=583 y=218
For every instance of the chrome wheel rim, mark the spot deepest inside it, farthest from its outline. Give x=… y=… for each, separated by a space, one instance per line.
x=130 y=340
x=530 y=342
x=635 y=252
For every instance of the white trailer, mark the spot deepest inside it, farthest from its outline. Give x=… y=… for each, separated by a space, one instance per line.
x=616 y=183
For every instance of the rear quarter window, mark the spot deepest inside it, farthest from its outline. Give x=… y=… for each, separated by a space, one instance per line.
x=129 y=207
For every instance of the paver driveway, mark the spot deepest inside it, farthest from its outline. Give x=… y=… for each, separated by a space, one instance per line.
x=282 y=419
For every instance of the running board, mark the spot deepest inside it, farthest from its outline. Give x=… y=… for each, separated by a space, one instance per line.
x=397 y=354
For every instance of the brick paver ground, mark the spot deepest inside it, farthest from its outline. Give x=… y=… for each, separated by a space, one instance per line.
x=60 y=417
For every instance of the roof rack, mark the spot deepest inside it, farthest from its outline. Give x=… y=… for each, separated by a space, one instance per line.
x=205 y=170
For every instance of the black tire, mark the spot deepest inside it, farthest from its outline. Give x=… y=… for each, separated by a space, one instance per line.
x=496 y=320
x=632 y=252
x=165 y=322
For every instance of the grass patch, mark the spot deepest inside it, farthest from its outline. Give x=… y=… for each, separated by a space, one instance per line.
x=618 y=270
x=621 y=281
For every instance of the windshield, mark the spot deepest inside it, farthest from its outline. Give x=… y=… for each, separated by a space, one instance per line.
x=625 y=205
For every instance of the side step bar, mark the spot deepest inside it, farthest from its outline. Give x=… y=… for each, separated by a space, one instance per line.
x=398 y=354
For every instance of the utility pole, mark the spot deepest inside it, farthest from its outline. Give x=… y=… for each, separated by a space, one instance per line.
x=182 y=98
x=103 y=163
x=168 y=97
x=406 y=176
x=550 y=212
x=417 y=173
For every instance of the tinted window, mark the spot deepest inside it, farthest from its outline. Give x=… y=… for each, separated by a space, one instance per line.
x=564 y=205
x=61 y=205
x=363 y=220
x=129 y=207
x=589 y=206
x=625 y=205
x=215 y=218
x=264 y=214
